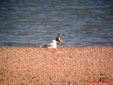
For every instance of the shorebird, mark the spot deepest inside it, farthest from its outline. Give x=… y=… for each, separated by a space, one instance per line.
x=59 y=38
x=50 y=45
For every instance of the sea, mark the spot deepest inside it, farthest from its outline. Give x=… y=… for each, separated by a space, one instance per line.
x=31 y=23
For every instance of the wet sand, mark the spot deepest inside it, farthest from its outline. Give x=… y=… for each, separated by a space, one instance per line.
x=60 y=66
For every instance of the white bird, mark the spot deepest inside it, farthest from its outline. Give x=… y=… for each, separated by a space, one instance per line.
x=50 y=45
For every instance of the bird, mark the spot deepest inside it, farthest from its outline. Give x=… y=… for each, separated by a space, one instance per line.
x=59 y=38
x=50 y=45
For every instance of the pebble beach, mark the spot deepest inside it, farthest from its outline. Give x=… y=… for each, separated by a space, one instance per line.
x=56 y=66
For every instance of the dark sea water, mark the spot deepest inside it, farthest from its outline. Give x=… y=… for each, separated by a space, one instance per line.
x=36 y=22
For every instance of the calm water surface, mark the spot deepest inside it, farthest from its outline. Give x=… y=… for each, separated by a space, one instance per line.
x=36 y=22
